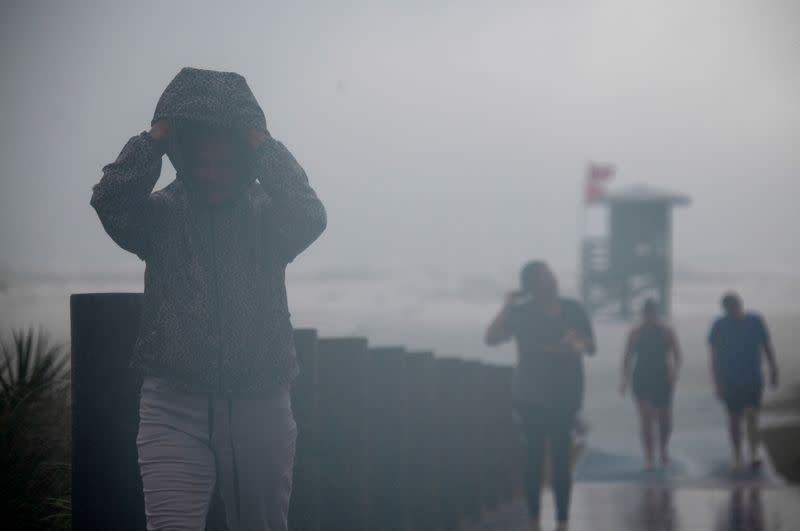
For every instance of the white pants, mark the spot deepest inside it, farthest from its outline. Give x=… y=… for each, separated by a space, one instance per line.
x=190 y=441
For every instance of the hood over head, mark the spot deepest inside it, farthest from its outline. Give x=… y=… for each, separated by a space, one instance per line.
x=207 y=98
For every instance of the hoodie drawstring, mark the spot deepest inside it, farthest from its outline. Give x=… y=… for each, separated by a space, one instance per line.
x=210 y=419
x=235 y=472
x=236 y=497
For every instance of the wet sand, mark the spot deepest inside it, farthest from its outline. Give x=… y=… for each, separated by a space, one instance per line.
x=737 y=506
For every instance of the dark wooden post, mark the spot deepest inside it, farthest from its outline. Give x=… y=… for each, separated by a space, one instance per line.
x=510 y=440
x=106 y=484
x=343 y=396
x=421 y=470
x=497 y=419
x=474 y=402
x=388 y=439
x=304 y=510
x=450 y=442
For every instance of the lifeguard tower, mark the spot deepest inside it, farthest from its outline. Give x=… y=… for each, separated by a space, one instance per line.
x=633 y=260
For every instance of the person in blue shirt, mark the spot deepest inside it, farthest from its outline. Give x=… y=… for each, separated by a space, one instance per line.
x=738 y=340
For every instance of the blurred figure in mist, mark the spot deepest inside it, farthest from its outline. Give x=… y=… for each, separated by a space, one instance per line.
x=744 y=512
x=651 y=362
x=738 y=341
x=552 y=336
x=655 y=510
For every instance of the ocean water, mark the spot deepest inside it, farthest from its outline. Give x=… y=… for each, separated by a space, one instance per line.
x=448 y=313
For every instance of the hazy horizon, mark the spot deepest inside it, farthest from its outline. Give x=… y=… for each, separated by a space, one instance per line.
x=441 y=134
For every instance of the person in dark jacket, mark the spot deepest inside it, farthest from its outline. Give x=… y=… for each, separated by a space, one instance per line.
x=652 y=360
x=215 y=344
x=552 y=335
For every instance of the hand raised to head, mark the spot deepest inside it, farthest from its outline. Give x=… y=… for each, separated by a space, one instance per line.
x=160 y=130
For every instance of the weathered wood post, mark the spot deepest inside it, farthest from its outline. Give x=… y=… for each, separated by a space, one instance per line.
x=304 y=510
x=106 y=485
x=421 y=466
x=388 y=439
x=342 y=414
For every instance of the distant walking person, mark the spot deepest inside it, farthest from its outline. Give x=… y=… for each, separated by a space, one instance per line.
x=738 y=340
x=552 y=336
x=215 y=343
x=652 y=359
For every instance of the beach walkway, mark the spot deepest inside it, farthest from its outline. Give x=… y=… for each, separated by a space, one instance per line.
x=661 y=506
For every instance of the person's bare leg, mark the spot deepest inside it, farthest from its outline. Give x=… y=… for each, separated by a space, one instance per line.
x=664 y=431
x=735 y=431
x=753 y=439
x=646 y=421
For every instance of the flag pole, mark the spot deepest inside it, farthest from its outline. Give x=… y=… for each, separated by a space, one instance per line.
x=582 y=215
x=595 y=181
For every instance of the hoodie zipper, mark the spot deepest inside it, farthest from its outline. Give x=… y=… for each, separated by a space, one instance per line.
x=217 y=299
x=220 y=390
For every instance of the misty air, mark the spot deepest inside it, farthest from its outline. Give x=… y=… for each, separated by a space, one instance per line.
x=400 y=266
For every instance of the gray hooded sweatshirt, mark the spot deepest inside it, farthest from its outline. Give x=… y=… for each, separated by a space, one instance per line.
x=215 y=314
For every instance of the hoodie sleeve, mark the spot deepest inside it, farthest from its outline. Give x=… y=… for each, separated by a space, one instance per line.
x=294 y=216
x=122 y=198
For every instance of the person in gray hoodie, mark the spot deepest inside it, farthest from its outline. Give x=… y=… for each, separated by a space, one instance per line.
x=215 y=344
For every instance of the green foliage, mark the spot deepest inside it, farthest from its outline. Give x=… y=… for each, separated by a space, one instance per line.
x=30 y=368
x=34 y=432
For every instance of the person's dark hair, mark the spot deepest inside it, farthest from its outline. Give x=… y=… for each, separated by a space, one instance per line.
x=190 y=134
x=730 y=301
x=530 y=274
x=650 y=306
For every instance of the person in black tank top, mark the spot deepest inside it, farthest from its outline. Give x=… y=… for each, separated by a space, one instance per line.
x=651 y=361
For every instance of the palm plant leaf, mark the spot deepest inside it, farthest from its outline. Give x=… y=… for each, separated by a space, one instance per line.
x=34 y=431
x=30 y=366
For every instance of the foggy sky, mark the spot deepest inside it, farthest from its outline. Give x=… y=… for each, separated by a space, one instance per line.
x=445 y=134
